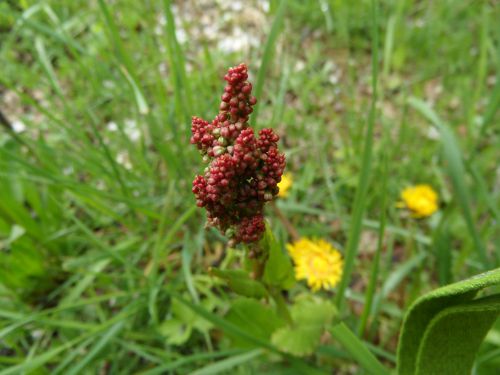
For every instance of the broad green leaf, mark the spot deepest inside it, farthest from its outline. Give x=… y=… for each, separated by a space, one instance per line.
x=254 y=318
x=300 y=340
x=453 y=337
x=226 y=326
x=241 y=283
x=426 y=327
x=311 y=316
x=279 y=269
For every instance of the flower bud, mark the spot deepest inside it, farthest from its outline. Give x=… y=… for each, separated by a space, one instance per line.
x=243 y=170
x=219 y=150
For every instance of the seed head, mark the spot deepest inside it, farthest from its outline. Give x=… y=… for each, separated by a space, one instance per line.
x=243 y=170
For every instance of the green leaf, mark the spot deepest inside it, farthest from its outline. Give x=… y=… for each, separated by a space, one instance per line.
x=179 y=327
x=97 y=348
x=32 y=363
x=267 y=55
x=360 y=200
x=447 y=322
x=279 y=269
x=311 y=316
x=226 y=326
x=228 y=363
x=15 y=233
x=453 y=337
x=176 y=331
x=254 y=318
x=241 y=283
x=182 y=312
x=457 y=172
x=357 y=349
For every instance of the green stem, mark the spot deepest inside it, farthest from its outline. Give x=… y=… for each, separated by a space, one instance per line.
x=258 y=255
x=361 y=192
x=281 y=306
x=376 y=261
x=258 y=269
x=261 y=257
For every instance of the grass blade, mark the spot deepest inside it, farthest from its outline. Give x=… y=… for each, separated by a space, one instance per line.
x=41 y=359
x=394 y=279
x=228 y=363
x=358 y=350
x=268 y=55
x=226 y=326
x=97 y=348
x=361 y=191
x=127 y=67
x=456 y=171
x=177 y=64
x=186 y=360
x=370 y=291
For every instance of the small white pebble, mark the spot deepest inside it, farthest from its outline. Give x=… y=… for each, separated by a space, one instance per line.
x=37 y=333
x=111 y=126
x=108 y=84
x=18 y=126
x=68 y=170
x=433 y=133
x=123 y=159
x=265 y=5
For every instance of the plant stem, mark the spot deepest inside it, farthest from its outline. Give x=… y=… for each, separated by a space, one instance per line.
x=376 y=261
x=361 y=191
x=286 y=223
x=261 y=255
x=258 y=269
x=281 y=305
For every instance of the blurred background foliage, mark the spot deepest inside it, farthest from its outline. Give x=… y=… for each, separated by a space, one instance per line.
x=98 y=227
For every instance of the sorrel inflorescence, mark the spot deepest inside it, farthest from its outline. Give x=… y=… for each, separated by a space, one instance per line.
x=243 y=171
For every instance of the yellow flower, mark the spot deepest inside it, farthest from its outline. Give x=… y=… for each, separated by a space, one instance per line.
x=285 y=184
x=316 y=261
x=421 y=200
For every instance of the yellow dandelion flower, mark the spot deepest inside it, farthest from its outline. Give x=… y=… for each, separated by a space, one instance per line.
x=285 y=184
x=316 y=261
x=421 y=200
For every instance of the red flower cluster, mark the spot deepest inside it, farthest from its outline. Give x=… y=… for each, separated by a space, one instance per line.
x=243 y=170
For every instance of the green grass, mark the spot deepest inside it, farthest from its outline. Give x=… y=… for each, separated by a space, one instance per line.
x=98 y=225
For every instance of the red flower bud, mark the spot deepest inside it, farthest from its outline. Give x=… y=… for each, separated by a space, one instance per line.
x=243 y=171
